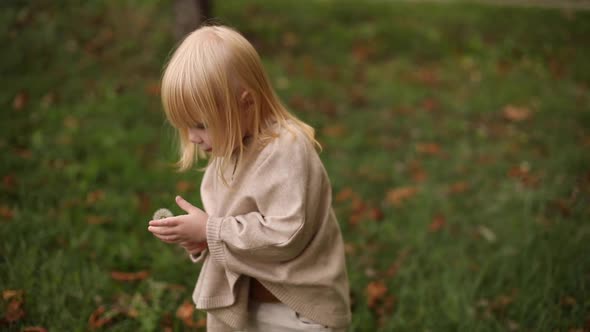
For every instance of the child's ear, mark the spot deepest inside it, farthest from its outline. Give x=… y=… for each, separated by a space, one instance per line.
x=246 y=100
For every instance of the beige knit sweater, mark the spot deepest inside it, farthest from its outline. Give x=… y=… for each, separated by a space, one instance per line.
x=274 y=223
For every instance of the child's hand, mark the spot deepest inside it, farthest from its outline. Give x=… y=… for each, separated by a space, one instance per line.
x=189 y=230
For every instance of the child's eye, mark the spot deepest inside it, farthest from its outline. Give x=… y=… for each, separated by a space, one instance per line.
x=201 y=126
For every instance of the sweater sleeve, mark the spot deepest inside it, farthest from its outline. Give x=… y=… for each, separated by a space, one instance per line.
x=279 y=230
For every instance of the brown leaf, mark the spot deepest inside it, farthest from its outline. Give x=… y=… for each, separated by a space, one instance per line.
x=71 y=122
x=145 y=204
x=458 y=187
x=20 y=100
x=438 y=222
x=8 y=294
x=428 y=148
x=361 y=51
x=184 y=186
x=185 y=311
x=399 y=195
x=376 y=213
x=375 y=291
x=568 y=301
x=129 y=276
x=9 y=181
x=97 y=220
x=516 y=114
x=290 y=39
x=153 y=89
x=48 y=99
x=24 y=153
x=96 y=320
x=34 y=329
x=94 y=197
x=430 y=104
x=14 y=311
x=334 y=130
x=427 y=76
x=345 y=194
x=6 y=212
x=417 y=171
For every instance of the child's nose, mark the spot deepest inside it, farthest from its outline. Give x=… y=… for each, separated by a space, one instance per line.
x=193 y=137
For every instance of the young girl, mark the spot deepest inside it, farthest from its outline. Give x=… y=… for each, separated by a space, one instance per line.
x=271 y=247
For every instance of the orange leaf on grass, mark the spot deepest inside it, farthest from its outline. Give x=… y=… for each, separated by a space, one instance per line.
x=334 y=131
x=458 y=187
x=7 y=294
x=14 y=310
x=20 y=100
x=153 y=89
x=129 y=276
x=184 y=186
x=516 y=114
x=375 y=291
x=6 y=212
x=34 y=329
x=9 y=181
x=344 y=194
x=97 y=220
x=96 y=320
x=428 y=148
x=185 y=313
x=398 y=195
x=438 y=222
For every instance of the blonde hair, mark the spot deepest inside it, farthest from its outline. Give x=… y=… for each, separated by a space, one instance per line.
x=202 y=84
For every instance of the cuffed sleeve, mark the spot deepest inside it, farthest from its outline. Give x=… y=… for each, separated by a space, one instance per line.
x=200 y=257
x=281 y=228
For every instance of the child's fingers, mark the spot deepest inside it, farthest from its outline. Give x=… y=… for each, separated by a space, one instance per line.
x=167 y=238
x=172 y=221
x=162 y=230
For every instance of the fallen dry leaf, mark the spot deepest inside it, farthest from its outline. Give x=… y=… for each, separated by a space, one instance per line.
x=94 y=197
x=428 y=148
x=14 y=310
x=516 y=114
x=97 y=220
x=290 y=39
x=376 y=214
x=398 y=195
x=184 y=186
x=185 y=313
x=144 y=202
x=7 y=294
x=96 y=320
x=48 y=99
x=34 y=329
x=375 y=291
x=9 y=181
x=20 y=100
x=426 y=76
x=438 y=222
x=334 y=131
x=344 y=194
x=458 y=187
x=129 y=276
x=6 y=212
x=430 y=104
x=153 y=89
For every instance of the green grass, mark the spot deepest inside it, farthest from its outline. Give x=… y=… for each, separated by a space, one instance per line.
x=87 y=158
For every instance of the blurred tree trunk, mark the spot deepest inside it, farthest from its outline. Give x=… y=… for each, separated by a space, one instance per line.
x=189 y=15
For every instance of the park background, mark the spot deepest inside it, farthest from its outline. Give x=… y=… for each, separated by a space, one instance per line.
x=455 y=135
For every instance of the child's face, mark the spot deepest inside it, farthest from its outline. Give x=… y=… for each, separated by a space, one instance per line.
x=200 y=135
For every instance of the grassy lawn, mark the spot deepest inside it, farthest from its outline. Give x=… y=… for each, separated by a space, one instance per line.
x=456 y=137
